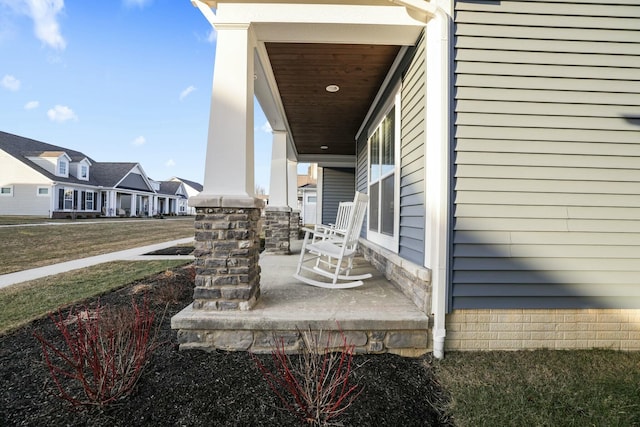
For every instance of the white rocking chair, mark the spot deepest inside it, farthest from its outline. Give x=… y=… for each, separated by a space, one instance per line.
x=331 y=247
x=322 y=231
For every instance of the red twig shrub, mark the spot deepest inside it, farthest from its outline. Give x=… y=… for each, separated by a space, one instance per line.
x=315 y=384
x=103 y=354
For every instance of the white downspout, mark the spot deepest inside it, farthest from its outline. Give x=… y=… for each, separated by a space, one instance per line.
x=440 y=106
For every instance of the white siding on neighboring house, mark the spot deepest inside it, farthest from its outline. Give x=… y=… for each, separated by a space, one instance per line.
x=25 y=183
x=547 y=155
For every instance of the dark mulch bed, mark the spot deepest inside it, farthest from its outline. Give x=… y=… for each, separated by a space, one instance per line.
x=193 y=388
x=174 y=250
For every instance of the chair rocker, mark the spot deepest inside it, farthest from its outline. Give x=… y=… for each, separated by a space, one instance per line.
x=330 y=251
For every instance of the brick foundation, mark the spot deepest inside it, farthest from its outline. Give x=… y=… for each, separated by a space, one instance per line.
x=227 y=251
x=277 y=221
x=543 y=329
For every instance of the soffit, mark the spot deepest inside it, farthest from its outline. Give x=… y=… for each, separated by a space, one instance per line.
x=316 y=117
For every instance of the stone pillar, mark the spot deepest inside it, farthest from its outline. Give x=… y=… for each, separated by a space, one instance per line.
x=276 y=229
x=294 y=227
x=227 y=244
x=278 y=214
x=227 y=251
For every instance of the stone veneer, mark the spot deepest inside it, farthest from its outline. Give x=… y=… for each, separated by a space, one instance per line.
x=414 y=281
x=521 y=329
x=227 y=252
x=294 y=225
x=277 y=221
x=407 y=343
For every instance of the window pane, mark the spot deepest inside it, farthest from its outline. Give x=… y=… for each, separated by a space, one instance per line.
x=386 y=205
x=388 y=143
x=68 y=199
x=43 y=191
x=373 y=206
x=5 y=190
x=374 y=155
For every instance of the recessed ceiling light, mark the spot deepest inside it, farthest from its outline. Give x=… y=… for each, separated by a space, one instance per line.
x=332 y=88
x=324 y=147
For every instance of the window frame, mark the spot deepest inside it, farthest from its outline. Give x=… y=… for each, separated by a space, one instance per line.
x=65 y=199
x=62 y=163
x=9 y=194
x=89 y=202
x=83 y=169
x=390 y=242
x=39 y=194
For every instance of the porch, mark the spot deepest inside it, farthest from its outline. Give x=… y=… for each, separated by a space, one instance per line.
x=376 y=317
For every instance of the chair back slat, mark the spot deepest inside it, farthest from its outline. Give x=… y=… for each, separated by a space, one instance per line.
x=356 y=219
x=342 y=217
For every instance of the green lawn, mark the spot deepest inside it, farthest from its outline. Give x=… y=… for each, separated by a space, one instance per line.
x=27 y=301
x=25 y=247
x=542 y=388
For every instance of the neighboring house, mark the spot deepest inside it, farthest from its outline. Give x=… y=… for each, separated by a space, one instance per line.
x=41 y=179
x=498 y=141
x=192 y=188
x=172 y=198
x=307 y=204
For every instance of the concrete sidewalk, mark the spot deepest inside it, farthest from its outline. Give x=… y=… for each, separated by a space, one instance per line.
x=127 y=254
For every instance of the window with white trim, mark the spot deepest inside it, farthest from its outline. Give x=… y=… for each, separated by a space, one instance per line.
x=68 y=199
x=42 y=191
x=383 y=184
x=63 y=168
x=6 y=191
x=88 y=204
x=83 y=173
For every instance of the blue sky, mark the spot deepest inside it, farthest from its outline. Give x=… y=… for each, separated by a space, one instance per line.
x=119 y=80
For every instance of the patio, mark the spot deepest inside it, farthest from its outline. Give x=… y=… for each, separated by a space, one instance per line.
x=375 y=317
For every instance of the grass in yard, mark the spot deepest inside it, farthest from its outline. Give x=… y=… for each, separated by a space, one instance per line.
x=36 y=246
x=543 y=388
x=27 y=301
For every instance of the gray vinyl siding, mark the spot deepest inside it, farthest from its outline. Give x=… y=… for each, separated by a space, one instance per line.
x=338 y=185
x=412 y=199
x=547 y=155
x=413 y=92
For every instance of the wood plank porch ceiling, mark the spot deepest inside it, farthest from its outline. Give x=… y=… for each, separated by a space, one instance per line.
x=317 y=117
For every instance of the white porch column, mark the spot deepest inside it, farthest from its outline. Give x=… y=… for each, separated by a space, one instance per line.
x=229 y=169
x=227 y=212
x=292 y=199
x=112 y=203
x=292 y=188
x=278 y=193
x=132 y=207
x=278 y=213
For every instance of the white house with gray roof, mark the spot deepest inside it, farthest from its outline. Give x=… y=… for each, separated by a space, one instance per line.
x=41 y=179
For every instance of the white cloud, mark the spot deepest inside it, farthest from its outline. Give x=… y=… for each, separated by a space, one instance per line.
x=61 y=113
x=266 y=127
x=31 y=105
x=141 y=140
x=136 y=3
x=44 y=14
x=170 y=163
x=11 y=83
x=186 y=92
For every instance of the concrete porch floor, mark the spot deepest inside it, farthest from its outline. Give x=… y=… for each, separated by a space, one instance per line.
x=375 y=317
